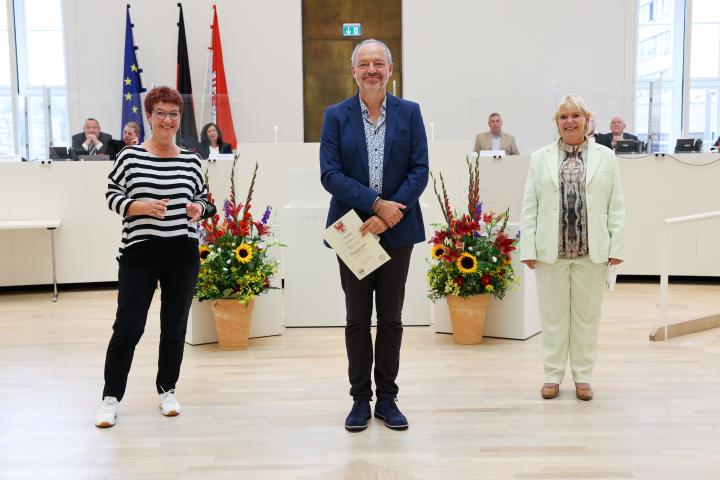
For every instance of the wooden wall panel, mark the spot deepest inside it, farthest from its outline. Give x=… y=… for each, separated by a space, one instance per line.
x=326 y=54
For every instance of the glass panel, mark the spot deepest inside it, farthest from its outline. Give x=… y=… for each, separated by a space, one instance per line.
x=38 y=145
x=4 y=60
x=704 y=71
x=46 y=59
x=60 y=127
x=3 y=15
x=696 y=123
x=43 y=15
x=705 y=11
x=6 y=124
x=660 y=60
x=705 y=50
x=4 y=46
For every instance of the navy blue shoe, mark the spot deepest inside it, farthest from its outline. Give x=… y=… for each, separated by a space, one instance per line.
x=386 y=409
x=357 y=419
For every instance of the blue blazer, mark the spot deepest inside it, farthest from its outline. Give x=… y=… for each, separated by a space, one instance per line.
x=344 y=165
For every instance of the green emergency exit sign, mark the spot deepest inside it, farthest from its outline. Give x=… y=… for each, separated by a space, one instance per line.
x=352 y=30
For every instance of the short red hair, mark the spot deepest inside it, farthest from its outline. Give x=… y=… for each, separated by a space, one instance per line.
x=165 y=95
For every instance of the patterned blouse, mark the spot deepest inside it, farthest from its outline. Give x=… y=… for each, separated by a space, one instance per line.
x=573 y=238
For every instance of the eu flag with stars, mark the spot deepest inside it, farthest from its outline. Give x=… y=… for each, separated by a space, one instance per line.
x=132 y=85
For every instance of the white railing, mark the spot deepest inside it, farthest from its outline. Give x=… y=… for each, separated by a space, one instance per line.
x=664 y=258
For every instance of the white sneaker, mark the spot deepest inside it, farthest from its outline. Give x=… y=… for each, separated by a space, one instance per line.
x=169 y=405
x=107 y=413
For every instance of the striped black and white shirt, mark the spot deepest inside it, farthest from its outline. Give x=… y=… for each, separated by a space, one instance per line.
x=139 y=175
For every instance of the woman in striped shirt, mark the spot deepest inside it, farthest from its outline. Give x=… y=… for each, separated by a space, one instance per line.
x=158 y=189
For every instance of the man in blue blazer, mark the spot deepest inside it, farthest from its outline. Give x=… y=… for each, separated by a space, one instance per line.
x=374 y=160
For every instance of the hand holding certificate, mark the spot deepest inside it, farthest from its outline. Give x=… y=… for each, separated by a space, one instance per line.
x=361 y=254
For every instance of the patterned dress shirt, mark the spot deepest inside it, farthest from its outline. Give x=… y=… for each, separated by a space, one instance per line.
x=375 y=140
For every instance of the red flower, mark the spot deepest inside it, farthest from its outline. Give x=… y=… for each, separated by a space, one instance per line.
x=465 y=226
x=485 y=279
x=459 y=281
x=451 y=255
x=262 y=229
x=439 y=237
x=504 y=244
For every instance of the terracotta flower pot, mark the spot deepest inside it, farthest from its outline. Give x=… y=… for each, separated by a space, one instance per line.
x=232 y=323
x=468 y=318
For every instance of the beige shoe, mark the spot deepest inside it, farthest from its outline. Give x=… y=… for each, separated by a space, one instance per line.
x=550 y=391
x=583 y=391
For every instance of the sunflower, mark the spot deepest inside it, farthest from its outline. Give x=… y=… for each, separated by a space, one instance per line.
x=243 y=253
x=466 y=263
x=438 y=251
x=204 y=252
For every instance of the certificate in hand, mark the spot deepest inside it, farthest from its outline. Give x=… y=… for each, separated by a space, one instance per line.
x=362 y=255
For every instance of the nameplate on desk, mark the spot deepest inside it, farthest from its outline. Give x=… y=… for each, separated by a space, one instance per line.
x=221 y=156
x=492 y=153
x=90 y=158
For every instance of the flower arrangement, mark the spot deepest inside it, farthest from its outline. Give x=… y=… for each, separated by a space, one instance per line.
x=233 y=250
x=471 y=253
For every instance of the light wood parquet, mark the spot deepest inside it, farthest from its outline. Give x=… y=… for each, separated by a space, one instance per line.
x=276 y=410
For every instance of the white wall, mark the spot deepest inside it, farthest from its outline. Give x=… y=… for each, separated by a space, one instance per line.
x=261 y=45
x=462 y=60
x=466 y=59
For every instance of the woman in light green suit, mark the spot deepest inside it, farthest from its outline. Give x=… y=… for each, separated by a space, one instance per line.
x=572 y=229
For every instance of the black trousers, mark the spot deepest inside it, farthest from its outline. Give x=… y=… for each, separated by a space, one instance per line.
x=175 y=264
x=387 y=283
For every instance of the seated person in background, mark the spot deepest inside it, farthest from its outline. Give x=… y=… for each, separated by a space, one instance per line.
x=91 y=141
x=599 y=138
x=130 y=136
x=496 y=139
x=211 y=142
x=617 y=132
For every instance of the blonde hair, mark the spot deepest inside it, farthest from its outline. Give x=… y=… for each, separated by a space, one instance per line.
x=574 y=101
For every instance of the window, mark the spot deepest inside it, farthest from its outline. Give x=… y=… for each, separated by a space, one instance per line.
x=6 y=111
x=683 y=102
x=658 y=98
x=653 y=47
x=649 y=10
x=703 y=115
x=39 y=95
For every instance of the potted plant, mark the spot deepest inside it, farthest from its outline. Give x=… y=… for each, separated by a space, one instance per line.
x=234 y=265
x=471 y=259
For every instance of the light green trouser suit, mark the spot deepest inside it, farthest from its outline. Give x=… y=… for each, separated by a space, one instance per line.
x=570 y=293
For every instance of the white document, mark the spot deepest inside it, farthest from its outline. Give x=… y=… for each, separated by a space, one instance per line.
x=611 y=277
x=362 y=255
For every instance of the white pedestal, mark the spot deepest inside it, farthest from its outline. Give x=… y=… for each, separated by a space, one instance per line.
x=268 y=317
x=515 y=316
x=313 y=295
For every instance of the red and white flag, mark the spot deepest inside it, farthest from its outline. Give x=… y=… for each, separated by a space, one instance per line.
x=220 y=112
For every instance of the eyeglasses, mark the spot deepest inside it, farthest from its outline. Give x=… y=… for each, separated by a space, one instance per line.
x=162 y=114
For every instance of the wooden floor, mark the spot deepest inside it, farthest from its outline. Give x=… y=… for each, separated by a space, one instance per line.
x=276 y=410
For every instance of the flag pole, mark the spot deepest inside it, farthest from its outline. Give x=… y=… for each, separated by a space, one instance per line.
x=142 y=90
x=208 y=77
